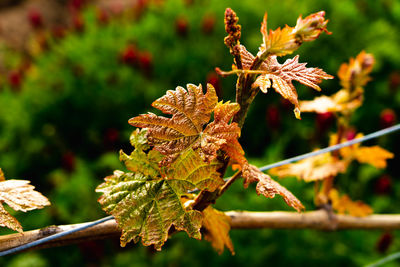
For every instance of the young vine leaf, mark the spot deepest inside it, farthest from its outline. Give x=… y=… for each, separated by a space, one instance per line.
x=280 y=76
x=146 y=203
x=187 y=128
x=353 y=76
x=19 y=195
x=281 y=42
x=217 y=226
x=343 y=204
x=312 y=169
x=268 y=187
x=373 y=155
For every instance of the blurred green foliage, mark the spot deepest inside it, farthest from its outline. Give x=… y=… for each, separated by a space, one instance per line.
x=62 y=125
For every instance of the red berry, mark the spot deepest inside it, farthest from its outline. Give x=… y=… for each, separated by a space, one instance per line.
x=383 y=185
x=181 y=26
x=213 y=79
x=15 y=79
x=387 y=118
x=208 y=24
x=68 y=161
x=384 y=242
x=324 y=121
x=273 y=117
x=130 y=55
x=35 y=19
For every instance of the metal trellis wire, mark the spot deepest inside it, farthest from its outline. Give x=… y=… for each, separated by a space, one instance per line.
x=264 y=168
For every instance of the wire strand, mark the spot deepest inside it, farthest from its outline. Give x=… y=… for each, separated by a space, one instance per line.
x=264 y=168
x=55 y=236
x=333 y=148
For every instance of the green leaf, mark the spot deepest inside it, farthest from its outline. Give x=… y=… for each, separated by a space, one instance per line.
x=146 y=203
x=147 y=208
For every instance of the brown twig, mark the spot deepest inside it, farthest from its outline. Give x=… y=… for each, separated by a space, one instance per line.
x=319 y=220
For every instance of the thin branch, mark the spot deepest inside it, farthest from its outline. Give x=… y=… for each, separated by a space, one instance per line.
x=319 y=220
x=229 y=182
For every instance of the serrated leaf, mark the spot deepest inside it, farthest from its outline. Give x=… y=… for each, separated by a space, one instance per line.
x=343 y=204
x=280 y=76
x=19 y=195
x=312 y=169
x=373 y=155
x=139 y=160
x=339 y=102
x=191 y=111
x=147 y=208
x=217 y=226
x=268 y=187
x=190 y=167
x=147 y=203
x=6 y=220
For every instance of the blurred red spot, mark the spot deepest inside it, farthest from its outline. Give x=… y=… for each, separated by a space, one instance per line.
x=68 y=161
x=181 y=26
x=387 y=118
x=130 y=55
x=384 y=242
x=15 y=79
x=208 y=24
x=35 y=19
x=383 y=185
x=324 y=121
x=273 y=117
x=213 y=79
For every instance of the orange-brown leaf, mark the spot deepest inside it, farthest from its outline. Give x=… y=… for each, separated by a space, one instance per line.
x=354 y=74
x=339 y=102
x=280 y=76
x=19 y=195
x=311 y=27
x=191 y=111
x=343 y=204
x=268 y=187
x=218 y=226
x=6 y=220
x=285 y=41
x=312 y=169
x=374 y=155
x=222 y=134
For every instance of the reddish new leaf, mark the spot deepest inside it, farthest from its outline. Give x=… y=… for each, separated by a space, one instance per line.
x=280 y=76
x=268 y=187
x=191 y=111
